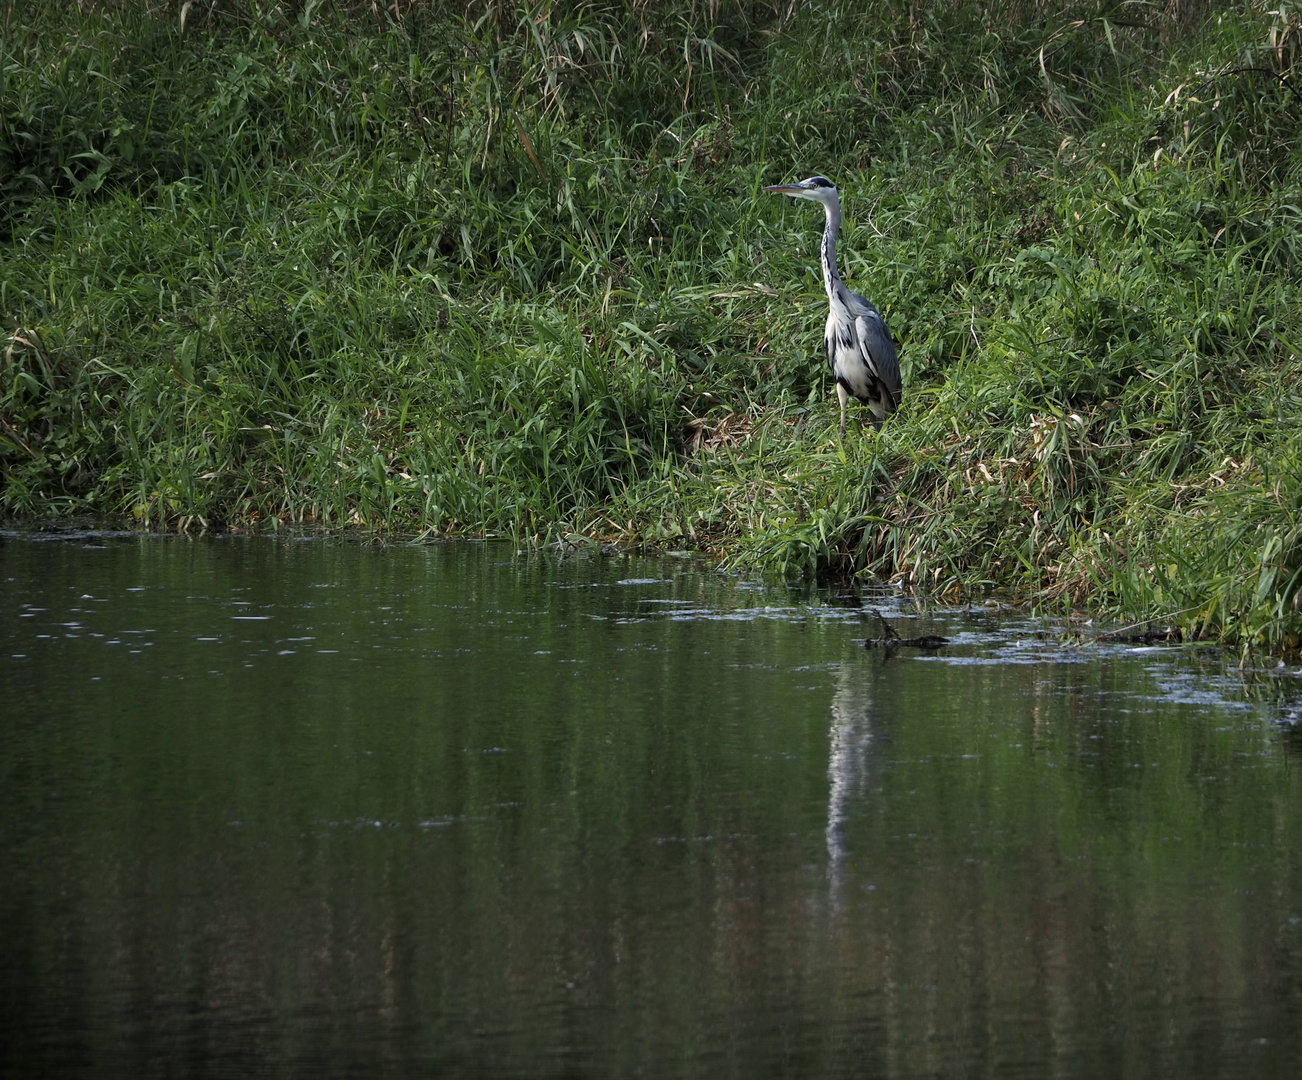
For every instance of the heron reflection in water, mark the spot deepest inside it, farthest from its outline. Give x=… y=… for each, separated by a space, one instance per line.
x=849 y=757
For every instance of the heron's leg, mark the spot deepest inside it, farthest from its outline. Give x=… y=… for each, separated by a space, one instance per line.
x=844 y=396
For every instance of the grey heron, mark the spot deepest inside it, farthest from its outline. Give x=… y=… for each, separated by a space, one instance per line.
x=860 y=351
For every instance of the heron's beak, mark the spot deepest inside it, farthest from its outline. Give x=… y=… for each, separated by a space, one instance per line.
x=786 y=189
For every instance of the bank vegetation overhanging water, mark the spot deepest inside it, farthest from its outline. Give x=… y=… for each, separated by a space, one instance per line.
x=505 y=269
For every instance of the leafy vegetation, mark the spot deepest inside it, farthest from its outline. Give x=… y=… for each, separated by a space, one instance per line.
x=506 y=269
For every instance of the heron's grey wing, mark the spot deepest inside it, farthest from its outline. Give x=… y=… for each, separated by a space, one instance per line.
x=879 y=351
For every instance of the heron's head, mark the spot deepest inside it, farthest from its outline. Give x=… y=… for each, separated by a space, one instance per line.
x=818 y=188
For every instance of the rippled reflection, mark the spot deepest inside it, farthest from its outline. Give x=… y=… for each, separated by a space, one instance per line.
x=309 y=808
x=849 y=757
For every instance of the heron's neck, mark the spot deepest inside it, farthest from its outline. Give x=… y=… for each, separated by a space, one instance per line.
x=830 y=277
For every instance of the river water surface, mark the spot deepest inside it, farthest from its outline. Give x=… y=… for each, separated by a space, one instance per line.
x=301 y=808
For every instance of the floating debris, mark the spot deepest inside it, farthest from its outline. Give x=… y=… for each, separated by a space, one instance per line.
x=892 y=640
x=1150 y=636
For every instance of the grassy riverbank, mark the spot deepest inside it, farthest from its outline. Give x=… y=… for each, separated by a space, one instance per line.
x=511 y=273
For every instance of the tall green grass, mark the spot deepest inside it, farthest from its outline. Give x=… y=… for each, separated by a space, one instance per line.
x=507 y=269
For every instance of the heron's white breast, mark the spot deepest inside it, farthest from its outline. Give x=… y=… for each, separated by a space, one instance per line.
x=846 y=355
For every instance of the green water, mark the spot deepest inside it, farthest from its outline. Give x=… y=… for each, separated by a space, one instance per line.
x=301 y=808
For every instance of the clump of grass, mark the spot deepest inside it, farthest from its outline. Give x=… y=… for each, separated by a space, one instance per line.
x=497 y=270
